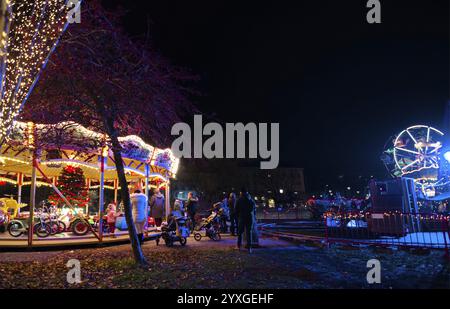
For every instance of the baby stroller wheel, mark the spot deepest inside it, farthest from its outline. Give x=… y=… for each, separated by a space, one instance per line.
x=183 y=241
x=197 y=236
x=216 y=237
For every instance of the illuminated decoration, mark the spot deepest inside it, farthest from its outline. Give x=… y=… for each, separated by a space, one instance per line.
x=38 y=183
x=447 y=156
x=163 y=160
x=4 y=159
x=60 y=146
x=57 y=162
x=70 y=134
x=36 y=26
x=416 y=153
x=417 y=148
x=5 y=20
x=72 y=184
x=8 y=180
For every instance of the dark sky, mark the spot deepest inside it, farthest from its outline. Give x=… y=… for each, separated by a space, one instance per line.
x=338 y=86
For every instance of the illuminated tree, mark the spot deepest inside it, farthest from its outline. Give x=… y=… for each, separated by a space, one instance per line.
x=71 y=183
x=103 y=80
x=34 y=32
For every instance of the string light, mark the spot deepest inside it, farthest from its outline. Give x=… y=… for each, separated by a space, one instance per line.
x=8 y=180
x=38 y=183
x=144 y=152
x=70 y=162
x=36 y=28
x=14 y=160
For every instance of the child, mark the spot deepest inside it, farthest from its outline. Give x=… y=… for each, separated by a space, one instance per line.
x=111 y=217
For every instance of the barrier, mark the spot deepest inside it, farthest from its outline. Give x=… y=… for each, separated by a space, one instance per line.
x=391 y=229
x=429 y=231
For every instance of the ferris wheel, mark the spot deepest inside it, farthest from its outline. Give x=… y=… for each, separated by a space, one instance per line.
x=417 y=149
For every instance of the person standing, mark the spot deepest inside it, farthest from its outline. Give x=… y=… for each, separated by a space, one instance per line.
x=225 y=215
x=233 y=218
x=139 y=203
x=157 y=207
x=191 y=208
x=245 y=207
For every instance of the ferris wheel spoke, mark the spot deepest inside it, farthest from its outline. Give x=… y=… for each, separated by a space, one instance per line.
x=435 y=149
x=428 y=139
x=433 y=162
x=408 y=150
x=412 y=137
x=410 y=164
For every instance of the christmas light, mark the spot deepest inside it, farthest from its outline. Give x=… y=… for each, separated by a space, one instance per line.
x=134 y=148
x=8 y=180
x=38 y=183
x=36 y=26
x=70 y=162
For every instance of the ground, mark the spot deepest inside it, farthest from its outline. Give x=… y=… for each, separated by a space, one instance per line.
x=207 y=264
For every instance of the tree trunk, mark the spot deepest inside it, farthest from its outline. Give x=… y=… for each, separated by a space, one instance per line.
x=125 y=195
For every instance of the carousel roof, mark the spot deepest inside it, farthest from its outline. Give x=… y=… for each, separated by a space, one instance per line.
x=69 y=143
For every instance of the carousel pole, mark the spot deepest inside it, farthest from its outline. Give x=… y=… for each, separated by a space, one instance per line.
x=116 y=188
x=88 y=186
x=19 y=189
x=101 y=196
x=167 y=198
x=32 y=201
x=147 y=178
x=31 y=145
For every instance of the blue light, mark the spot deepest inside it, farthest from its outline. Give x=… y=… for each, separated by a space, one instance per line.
x=447 y=156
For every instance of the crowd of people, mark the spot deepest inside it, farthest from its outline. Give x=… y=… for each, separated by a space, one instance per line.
x=239 y=211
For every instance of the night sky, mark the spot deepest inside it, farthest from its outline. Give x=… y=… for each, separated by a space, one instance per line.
x=338 y=86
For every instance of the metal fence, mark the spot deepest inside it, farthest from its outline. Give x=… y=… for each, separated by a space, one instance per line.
x=297 y=213
x=396 y=229
x=429 y=231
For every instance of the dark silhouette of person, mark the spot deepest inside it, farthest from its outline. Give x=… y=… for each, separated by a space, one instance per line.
x=233 y=219
x=191 y=207
x=245 y=207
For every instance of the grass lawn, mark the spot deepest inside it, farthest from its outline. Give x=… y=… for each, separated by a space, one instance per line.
x=206 y=264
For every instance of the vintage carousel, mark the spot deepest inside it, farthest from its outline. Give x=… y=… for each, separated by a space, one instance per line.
x=36 y=155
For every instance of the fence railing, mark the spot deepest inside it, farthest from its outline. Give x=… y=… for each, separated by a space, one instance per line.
x=298 y=213
x=429 y=231
x=394 y=228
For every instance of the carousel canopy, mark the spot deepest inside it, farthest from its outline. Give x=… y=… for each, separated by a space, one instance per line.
x=69 y=143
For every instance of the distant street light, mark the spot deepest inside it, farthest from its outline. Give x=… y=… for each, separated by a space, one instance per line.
x=281 y=191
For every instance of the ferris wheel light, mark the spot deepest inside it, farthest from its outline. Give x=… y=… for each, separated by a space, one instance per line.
x=447 y=156
x=417 y=148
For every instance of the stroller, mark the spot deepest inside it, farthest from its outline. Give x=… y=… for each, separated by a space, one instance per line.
x=211 y=226
x=174 y=230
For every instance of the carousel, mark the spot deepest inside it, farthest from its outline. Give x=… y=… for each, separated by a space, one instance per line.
x=67 y=154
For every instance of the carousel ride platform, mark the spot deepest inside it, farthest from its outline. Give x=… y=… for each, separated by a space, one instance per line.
x=68 y=241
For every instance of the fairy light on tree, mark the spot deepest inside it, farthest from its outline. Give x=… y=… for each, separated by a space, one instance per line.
x=5 y=19
x=35 y=29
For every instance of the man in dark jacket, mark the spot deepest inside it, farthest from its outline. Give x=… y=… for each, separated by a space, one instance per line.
x=191 y=208
x=233 y=219
x=157 y=207
x=245 y=206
